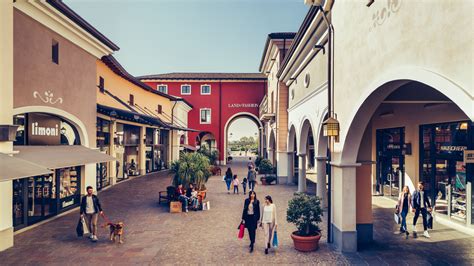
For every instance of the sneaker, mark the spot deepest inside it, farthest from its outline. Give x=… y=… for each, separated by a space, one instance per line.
x=425 y=234
x=95 y=239
x=186 y=210
x=406 y=234
x=91 y=236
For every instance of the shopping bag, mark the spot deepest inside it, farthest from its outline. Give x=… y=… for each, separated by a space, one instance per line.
x=79 y=228
x=85 y=228
x=241 y=231
x=429 y=220
x=396 y=216
x=223 y=178
x=275 y=239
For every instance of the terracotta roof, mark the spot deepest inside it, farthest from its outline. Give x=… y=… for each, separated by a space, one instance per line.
x=68 y=12
x=275 y=36
x=118 y=69
x=299 y=35
x=204 y=76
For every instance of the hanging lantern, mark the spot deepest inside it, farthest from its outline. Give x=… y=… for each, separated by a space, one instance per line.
x=331 y=127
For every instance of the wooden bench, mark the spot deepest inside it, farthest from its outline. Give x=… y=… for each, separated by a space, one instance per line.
x=167 y=196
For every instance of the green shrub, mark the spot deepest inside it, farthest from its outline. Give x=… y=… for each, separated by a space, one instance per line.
x=257 y=161
x=191 y=168
x=211 y=155
x=265 y=167
x=305 y=212
x=269 y=179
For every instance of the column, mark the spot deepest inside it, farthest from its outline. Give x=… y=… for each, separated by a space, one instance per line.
x=321 y=180
x=142 y=151
x=6 y=118
x=112 y=165
x=343 y=207
x=290 y=166
x=282 y=167
x=302 y=173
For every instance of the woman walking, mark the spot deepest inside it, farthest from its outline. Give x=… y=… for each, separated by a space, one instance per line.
x=228 y=179
x=251 y=216
x=269 y=221
x=403 y=207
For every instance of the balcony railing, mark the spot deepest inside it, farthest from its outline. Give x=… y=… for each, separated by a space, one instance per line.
x=264 y=111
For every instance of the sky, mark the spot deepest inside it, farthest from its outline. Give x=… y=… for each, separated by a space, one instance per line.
x=161 y=36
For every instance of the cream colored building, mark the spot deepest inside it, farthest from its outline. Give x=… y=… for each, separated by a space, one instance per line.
x=273 y=108
x=404 y=99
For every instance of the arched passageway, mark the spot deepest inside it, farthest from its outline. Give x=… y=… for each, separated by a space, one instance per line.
x=245 y=128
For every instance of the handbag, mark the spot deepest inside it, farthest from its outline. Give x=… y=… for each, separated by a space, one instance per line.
x=429 y=220
x=275 y=239
x=79 y=228
x=241 y=231
x=396 y=216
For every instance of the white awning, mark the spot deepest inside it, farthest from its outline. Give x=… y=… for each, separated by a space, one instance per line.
x=61 y=156
x=14 y=168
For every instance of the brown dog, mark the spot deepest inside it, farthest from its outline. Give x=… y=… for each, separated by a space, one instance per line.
x=116 y=230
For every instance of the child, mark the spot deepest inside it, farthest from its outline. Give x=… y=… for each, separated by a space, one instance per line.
x=236 y=184
x=244 y=184
x=194 y=199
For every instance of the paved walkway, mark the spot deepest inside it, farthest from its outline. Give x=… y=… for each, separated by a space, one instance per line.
x=154 y=236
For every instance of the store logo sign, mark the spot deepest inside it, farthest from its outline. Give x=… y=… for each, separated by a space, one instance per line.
x=243 y=105
x=469 y=156
x=67 y=203
x=43 y=129
x=453 y=148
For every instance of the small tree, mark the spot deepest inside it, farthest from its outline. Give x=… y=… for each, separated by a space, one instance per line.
x=265 y=167
x=305 y=212
x=191 y=168
x=211 y=155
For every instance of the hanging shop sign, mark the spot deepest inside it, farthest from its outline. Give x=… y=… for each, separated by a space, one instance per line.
x=43 y=129
x=469 y=156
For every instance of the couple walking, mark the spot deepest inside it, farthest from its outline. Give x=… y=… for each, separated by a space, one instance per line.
x=419 y=203
x=251 y=219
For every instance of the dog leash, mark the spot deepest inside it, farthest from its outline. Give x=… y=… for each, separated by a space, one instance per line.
x=106 y=220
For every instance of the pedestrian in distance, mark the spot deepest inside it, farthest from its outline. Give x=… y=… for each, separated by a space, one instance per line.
x=244 y=185
x=235 y=183
x=90 y=210
x=228 y=179
x=403 y=207
x=251 y=216
x=421 y=205
x=269 y=221
x=252 y=178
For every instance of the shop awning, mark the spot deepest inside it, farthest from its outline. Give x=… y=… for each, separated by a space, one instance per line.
x=61 y=156
x=14 y=168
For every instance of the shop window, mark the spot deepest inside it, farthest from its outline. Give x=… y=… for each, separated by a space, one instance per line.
x=186 y=89
x=159 y=109
x=69 y=186
x=205 y=89
x=205 y=114
x=55 y=52
x=163 y=88
x=101 y=84
x=131 y=100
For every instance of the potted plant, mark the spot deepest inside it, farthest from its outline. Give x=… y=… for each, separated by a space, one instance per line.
x=191 y=168
x=265 y=168
x=305 y=212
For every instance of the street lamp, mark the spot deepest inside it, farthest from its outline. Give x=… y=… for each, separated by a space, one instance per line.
x=331 y=125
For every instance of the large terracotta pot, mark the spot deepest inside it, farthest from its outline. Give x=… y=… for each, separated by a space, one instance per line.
x=306 y=243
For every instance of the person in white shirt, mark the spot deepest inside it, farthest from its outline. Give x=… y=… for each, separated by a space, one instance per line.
x=269 y=221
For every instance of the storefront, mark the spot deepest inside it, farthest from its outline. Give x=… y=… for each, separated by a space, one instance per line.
x=156 y=142
x=390 y=161
x=443 y=169
x=127 y=147
x=53 y=143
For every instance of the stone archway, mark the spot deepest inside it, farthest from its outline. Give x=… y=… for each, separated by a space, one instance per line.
x=272 y=148
x=292 y=155
x=233 y=118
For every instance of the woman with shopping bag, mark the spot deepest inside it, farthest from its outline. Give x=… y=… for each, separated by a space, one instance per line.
x=251 y=216
x=269 y=222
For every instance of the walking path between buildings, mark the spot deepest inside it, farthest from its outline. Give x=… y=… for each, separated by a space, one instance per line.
x=155 y=236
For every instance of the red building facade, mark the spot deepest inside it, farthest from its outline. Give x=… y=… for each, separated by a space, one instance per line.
x=218 y=100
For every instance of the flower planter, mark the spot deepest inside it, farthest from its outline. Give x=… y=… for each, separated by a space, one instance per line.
x=306 y=243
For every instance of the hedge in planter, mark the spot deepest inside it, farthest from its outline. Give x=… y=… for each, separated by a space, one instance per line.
x=305 y=212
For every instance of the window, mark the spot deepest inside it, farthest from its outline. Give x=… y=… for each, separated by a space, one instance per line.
x=186 y=89
x=206 y=89
x=160 y=109
x=131 y=100
x=163 y=88
x=55 y=52
x=101 y=84
x=205 y=116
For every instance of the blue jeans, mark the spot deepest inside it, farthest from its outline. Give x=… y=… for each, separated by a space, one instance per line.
x=227 y=182
x=403 y=226
x=252 y=185
x=184 y=200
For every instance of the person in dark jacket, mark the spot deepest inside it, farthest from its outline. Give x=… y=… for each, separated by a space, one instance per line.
x=90 y=210
x=228 y=179
x=420 y=204
x=251 y=216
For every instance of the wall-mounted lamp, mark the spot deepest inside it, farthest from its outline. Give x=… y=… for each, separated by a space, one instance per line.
x=113 y=116
x=63 y=131
x=331 y=127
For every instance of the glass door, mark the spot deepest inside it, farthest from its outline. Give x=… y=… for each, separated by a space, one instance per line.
x=19 y=189
x=390 y=161
x=458 y=195
x=41 y=198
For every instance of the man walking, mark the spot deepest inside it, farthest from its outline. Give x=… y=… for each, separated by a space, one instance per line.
x=90 y=209
x=421 y=204
x=252 y=178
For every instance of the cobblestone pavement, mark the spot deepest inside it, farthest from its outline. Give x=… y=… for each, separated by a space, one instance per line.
x=155 y=236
